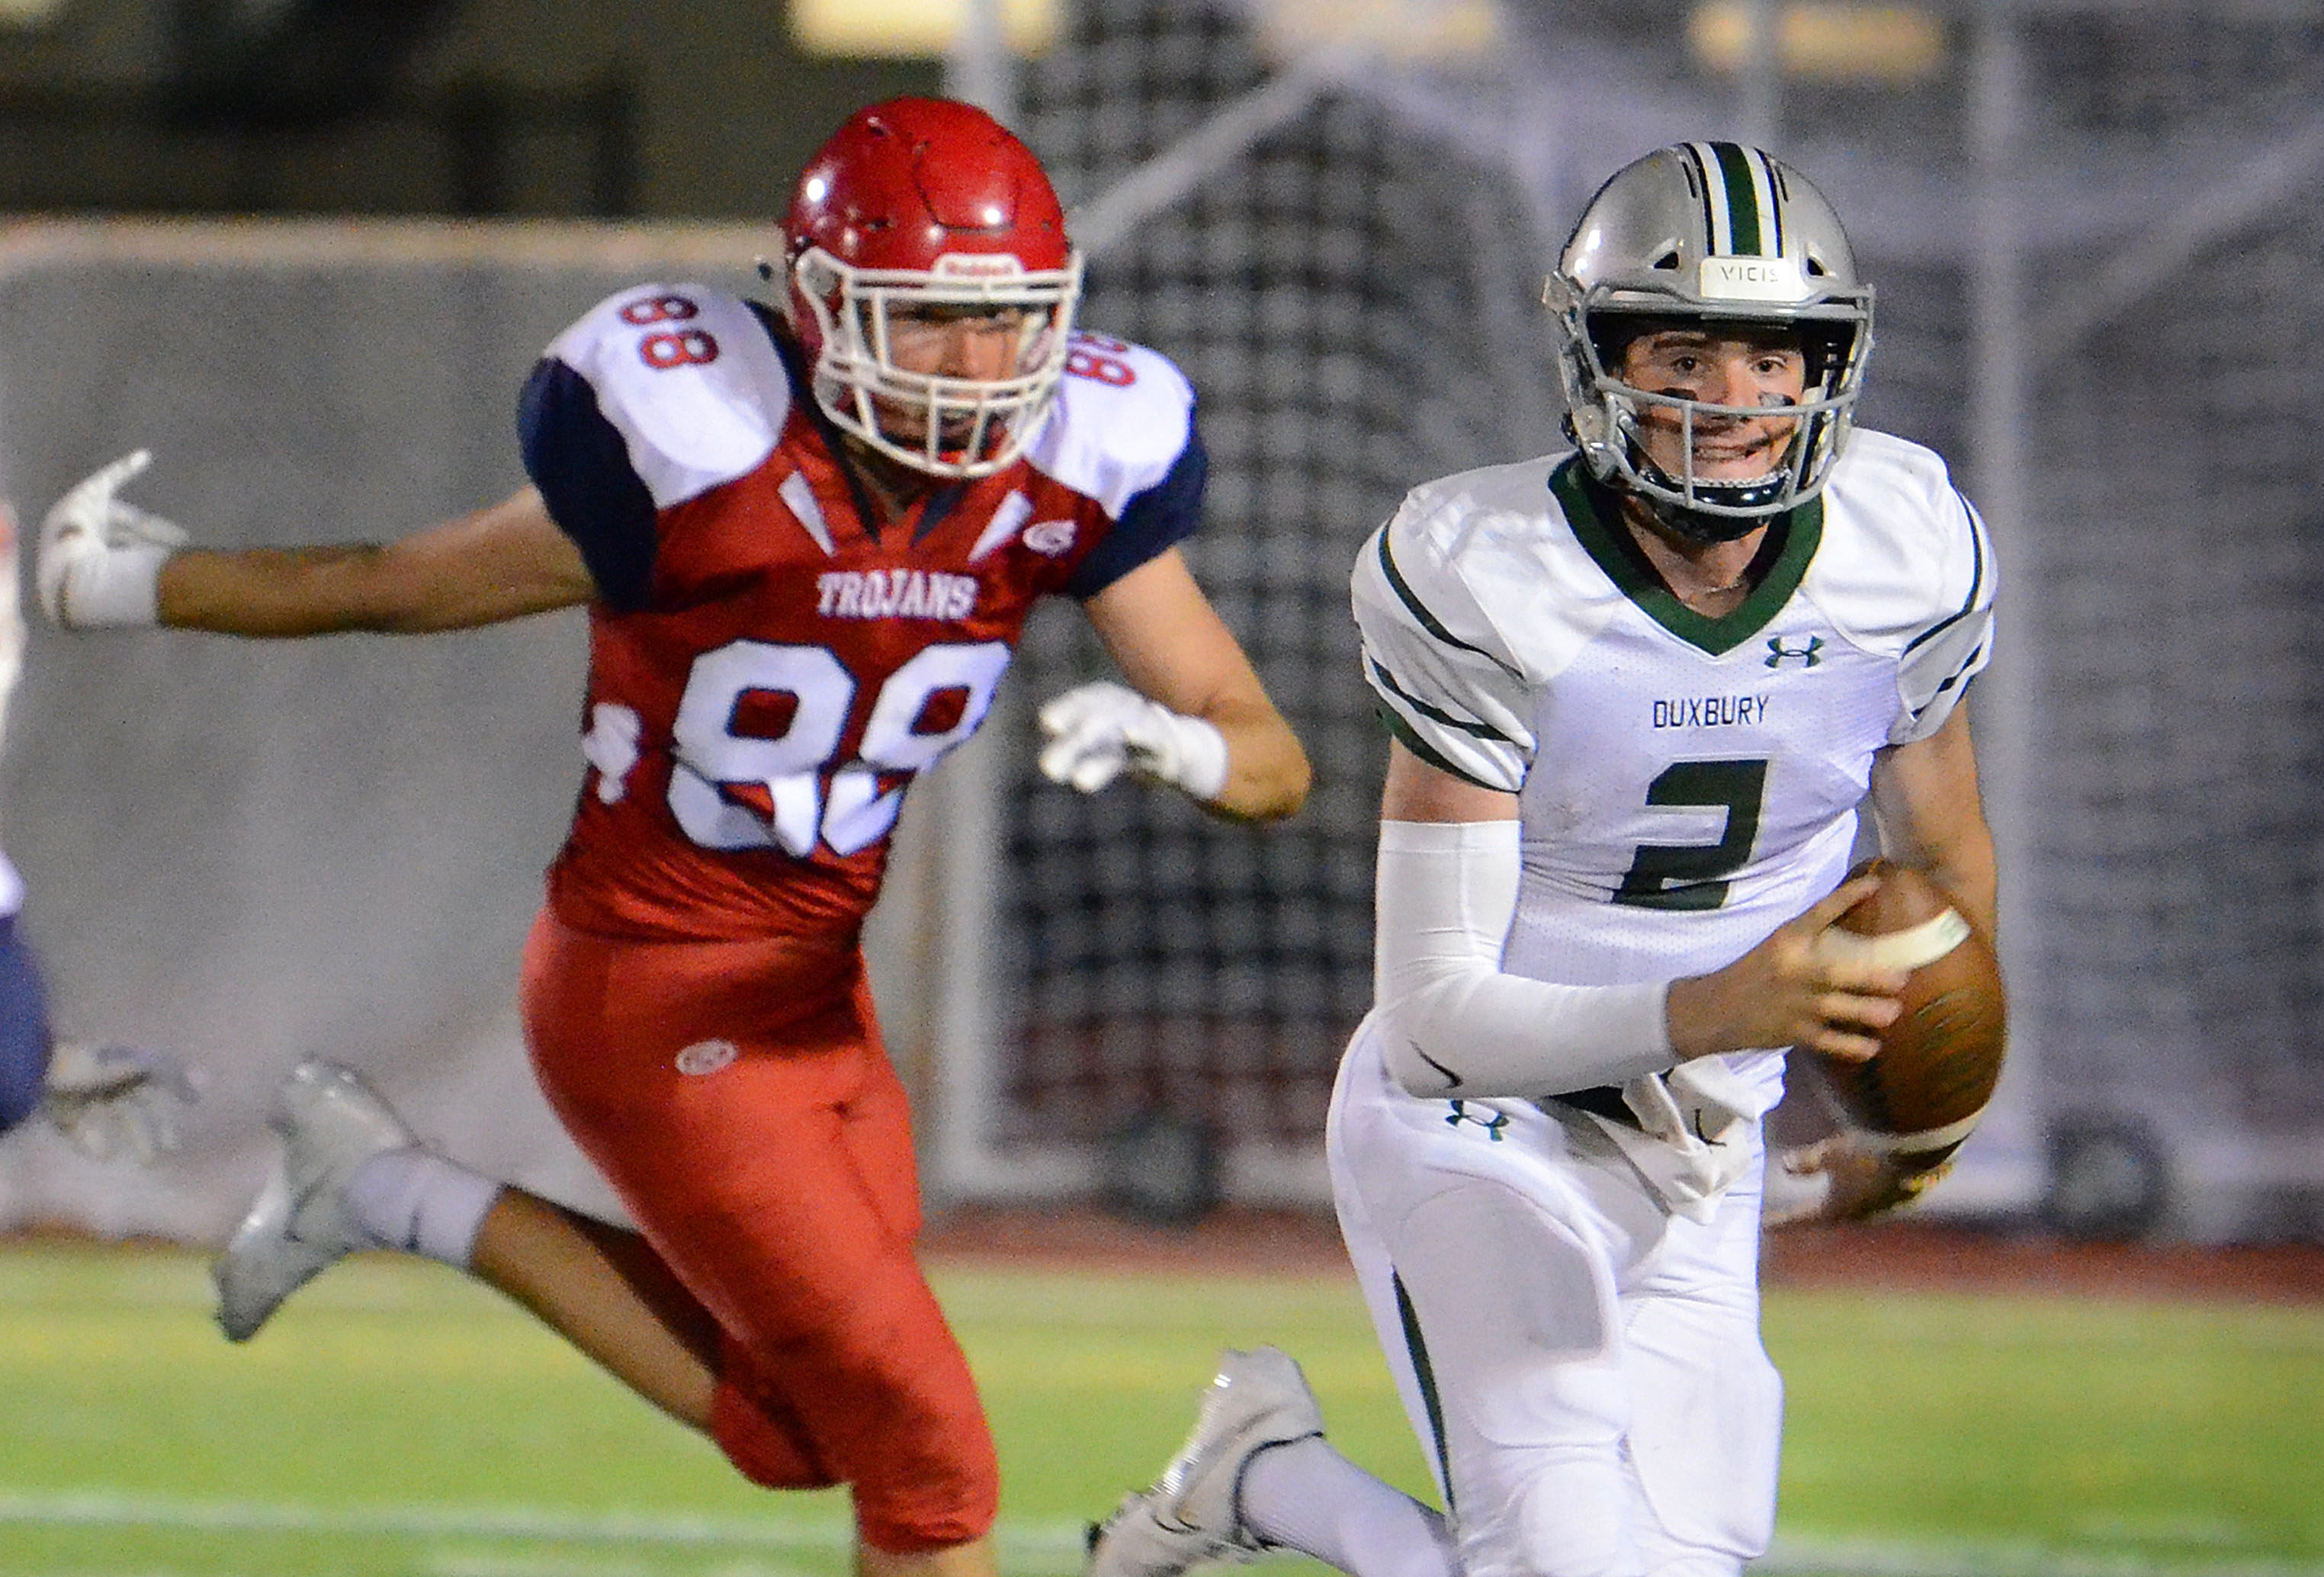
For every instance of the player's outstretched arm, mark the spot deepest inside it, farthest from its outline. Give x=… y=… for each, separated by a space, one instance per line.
x=1196 y=716
x=106 y=563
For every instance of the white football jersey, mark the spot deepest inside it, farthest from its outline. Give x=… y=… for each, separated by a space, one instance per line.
x=1684 y=784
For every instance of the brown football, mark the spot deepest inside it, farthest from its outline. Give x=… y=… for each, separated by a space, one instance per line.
x=1938 y=1061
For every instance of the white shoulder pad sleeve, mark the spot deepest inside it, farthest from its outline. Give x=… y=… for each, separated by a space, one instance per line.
x=1123 y=416
x=1940 y=661
x=1905 y=570
x=1448 y=686
x=688 y=378
x=1451 y=1022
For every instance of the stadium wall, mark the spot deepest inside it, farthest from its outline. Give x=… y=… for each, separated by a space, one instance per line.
x=248 y=852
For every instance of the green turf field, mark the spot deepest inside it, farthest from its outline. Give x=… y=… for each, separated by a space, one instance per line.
x=397 y=1419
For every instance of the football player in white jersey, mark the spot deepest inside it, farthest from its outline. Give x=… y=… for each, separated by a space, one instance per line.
x=107 y=1101
x=1637 y=692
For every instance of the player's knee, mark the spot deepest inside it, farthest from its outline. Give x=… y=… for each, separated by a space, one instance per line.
x=1697 y=1564
x=932 y=1483
x=1557 y=1513
x=913 y=1443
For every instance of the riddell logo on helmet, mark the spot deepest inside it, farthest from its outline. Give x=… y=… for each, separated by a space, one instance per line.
x=987 y=265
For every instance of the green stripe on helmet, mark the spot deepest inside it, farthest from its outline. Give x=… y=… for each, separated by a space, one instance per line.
x=1743 y=218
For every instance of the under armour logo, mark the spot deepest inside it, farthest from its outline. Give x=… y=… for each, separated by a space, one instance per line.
x=611 y=746
x=1490 y=1121
x=1808 y=655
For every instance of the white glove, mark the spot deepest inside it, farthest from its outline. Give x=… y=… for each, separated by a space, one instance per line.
x=114 y=1100
x=101 y=559
x=1839 y=1179
x=1101 y=729
x=1797 y=1188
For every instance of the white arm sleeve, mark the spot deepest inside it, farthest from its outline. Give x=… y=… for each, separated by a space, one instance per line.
x=1451 y=1022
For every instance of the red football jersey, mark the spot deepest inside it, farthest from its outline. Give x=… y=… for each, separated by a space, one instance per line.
x=767 y=673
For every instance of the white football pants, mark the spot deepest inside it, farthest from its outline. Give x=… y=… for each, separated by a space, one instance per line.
x=1584 y=1368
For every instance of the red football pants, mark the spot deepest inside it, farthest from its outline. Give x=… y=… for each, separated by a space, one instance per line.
x=738 y=1098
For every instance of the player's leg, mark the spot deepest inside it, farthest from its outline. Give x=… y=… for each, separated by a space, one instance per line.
x=1256 y=1473
x=351 y=1176
x=1489 y=1246
x=23 y=1002
x=736 y=1097
x=603 y=1289
x=1707 y=1405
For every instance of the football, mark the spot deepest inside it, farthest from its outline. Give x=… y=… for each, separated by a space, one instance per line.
x=1920 y=1096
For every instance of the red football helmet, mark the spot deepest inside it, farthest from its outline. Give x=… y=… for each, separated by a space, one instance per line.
x=920 y=211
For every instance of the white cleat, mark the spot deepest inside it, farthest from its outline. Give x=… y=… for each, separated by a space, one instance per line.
x=330 y=1122
x=1193 y=1512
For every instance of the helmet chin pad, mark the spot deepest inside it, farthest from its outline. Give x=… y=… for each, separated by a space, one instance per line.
x=1739 y=507
x=1700 y=526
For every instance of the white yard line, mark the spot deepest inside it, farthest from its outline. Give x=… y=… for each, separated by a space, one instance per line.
x=1054 y=1546
x=1860 y=1557
x=107 y=1508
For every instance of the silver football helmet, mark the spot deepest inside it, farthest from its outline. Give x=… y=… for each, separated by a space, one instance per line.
x=1708 y=232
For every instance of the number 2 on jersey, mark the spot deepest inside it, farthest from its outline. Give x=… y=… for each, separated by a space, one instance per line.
x=744 y=790
x=1694 y=876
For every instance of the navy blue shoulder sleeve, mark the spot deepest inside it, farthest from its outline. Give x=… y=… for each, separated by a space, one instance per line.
x=1151 y=522
x=23 y=1028
x=582 y=467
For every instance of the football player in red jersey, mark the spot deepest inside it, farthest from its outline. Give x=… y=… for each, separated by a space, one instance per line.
x=808 y=536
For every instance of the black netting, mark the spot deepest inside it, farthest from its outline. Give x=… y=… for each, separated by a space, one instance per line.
x=1354 y=300
x=1167 y=960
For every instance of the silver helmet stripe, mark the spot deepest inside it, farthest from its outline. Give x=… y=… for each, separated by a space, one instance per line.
x=1714 y=199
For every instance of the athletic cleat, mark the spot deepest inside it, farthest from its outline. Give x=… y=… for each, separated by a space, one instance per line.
x=330 y=1123
x=1193 y=1512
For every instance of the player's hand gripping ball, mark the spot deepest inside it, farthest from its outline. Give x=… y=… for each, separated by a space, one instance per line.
x=1922 y=1095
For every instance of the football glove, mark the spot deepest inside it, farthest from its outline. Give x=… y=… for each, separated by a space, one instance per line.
x=1838 y=1179
x=118 y=1101
x=100 y=560
x=1098 y=730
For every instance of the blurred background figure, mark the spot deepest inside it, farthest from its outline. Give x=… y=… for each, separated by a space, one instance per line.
x=109 y=1102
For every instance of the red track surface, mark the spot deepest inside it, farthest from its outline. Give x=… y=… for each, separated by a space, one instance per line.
x=1904 y=1255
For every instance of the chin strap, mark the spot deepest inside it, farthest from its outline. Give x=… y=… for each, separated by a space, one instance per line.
x=1761 y=494
x=1694 y=525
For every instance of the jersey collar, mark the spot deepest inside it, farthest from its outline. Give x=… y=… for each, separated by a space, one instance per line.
x=1592 y=508
x=933 y=507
